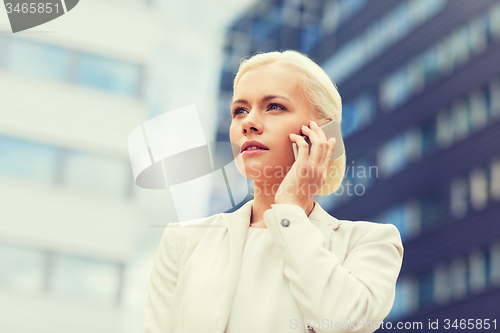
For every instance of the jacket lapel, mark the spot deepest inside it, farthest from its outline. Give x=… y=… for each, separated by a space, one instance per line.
x=208 y=282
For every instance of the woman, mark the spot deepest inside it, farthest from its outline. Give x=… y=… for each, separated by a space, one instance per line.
x=280 y=263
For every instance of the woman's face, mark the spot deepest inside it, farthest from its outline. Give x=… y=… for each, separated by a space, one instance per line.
x=268 y=104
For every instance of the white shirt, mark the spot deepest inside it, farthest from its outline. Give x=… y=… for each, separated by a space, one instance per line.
x=263 y=282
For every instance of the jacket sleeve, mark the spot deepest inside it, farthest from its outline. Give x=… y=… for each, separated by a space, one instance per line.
x=161 y=286
x=357 y=292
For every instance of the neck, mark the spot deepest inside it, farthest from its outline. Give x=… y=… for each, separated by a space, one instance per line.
x=264 y=193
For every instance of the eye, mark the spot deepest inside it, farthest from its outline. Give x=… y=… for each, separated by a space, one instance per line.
x=237 y=110
x=275 y=106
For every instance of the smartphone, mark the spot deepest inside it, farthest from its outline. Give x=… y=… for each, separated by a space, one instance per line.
x=332 y=130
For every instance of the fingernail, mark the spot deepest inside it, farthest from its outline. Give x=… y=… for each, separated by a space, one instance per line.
x=313 y=122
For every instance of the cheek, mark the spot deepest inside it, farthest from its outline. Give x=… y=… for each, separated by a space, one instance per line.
x=232 y=133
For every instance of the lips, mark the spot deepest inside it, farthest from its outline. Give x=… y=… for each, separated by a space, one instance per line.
x=252 y=143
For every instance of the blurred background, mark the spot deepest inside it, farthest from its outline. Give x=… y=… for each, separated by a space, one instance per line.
x=420 y=83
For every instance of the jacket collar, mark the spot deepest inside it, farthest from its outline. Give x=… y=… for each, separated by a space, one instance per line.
x=318 y=217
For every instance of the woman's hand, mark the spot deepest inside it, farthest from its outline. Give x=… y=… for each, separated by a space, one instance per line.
x=308 y=173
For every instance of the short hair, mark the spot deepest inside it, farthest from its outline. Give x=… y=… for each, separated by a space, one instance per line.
x=319 y=90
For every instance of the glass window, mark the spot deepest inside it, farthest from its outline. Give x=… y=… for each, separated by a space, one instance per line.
x=478 y=188
x=430 y=7
x=397 y=216
x=459 y=277
x=395 y=88
x=347 y=124
x=27 y=159
x=97 y=174
x=413 y=216
x=85 y=279
x=478 y=33
x=392 y=157
x=455 y=49
x=364 y=110
x=413 y=143
x=262 y=29
x=3 y=49
x=445 y=59
x=430 y=65
x=442 y=283
x=494 y=100
x=400 y=24
x=495 y=179
x=461 y=45
x=331 y=16
x=107 y=74
x=426 y=288
x=459 y=198
x=416 y=77
x=309 y=37
x=428 y=131
x=494 y=19
x=477 y=271
x=380 y=35
x=444 y=127
x=336 y=12
x=328 y=202
x=38 y=59
x=461 y=120
x=494 y=251
x=429 y=210
x=349 y=7
x=365 y=171
x=21 y=269
x=479 y=109
x=404 y=300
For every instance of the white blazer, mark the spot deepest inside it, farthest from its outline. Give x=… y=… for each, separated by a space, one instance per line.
x=338 y=269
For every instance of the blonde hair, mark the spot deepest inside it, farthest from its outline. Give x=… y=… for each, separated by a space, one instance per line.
x=320 y=91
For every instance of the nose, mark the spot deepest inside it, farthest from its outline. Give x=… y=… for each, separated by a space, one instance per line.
x=252 y=123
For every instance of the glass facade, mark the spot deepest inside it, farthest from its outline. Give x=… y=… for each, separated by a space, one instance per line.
x=51 y=165
x=38 y=59
x=22 y=269
x=448 y=54
x=85 y=279
x=54 y=63
x=357 y=114
x=472 y=191
x=448 y=281
x=33 y=161
x=34 y=271
x=97 y=174
x=108 y=74
x=393 y=27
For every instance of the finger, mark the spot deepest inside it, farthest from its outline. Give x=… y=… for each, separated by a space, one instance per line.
x=303 y=148
x=318 y=130
x=322 y=136
x=316 y=148
x=331 y=149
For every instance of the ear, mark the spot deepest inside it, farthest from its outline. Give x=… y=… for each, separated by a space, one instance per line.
x=323 y=121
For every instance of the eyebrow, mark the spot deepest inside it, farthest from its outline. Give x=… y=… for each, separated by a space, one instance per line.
x=265 y=98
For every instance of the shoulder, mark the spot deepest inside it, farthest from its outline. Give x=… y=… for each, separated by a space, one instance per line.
x=194 y=230
x=362 y=232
